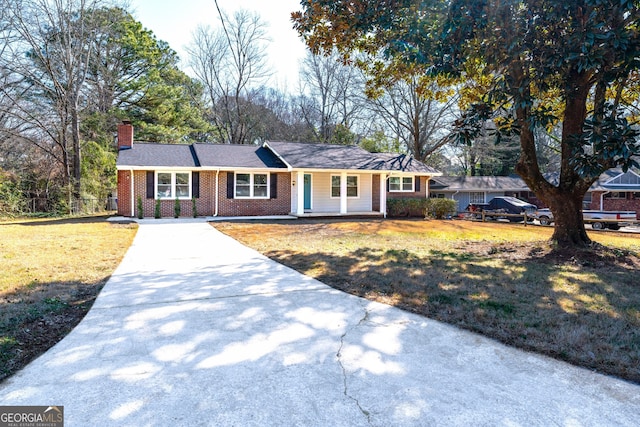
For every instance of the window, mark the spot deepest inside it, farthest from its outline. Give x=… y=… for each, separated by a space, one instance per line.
x=476 y=197
x=171 y=185
x=252 y=185
x=401 y=183
x=352 y=186
x=616 y=195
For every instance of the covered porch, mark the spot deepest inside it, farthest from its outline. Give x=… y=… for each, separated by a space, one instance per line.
x=337 y=193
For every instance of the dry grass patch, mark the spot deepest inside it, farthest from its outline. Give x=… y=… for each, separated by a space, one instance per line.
x=501 y=280
x=52 y=271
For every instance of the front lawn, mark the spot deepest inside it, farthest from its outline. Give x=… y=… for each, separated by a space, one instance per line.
x=501 y=280
x=51 y=272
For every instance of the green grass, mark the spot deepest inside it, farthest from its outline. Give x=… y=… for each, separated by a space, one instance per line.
x=501 y=280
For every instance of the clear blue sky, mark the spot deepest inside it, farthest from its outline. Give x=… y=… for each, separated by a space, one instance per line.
x=174 y=21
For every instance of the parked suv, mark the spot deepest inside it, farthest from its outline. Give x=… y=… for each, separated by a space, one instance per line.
x=513 y=206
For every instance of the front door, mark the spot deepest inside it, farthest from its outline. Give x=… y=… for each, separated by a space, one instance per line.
x=307 y=191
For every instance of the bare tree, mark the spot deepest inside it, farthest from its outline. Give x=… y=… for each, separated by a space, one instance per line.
x=415 y=116
x=331 y=95
x=46 y=61
x=231 y=62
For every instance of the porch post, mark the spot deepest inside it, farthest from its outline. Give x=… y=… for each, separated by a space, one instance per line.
x=300 y=193
x=383 y=194
x=343 y=192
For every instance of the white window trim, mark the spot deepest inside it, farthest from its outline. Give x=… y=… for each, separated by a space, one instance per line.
x=348 y=197
x=402 y=190
x=484 y=196
x=251 y=185
x=173 y=185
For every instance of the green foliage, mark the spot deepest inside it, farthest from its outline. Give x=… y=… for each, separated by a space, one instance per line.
x=342 y=135
x=441 y=208
x=140 y=208
x=418 y=207
x=407 y=207
x=157 y=213
x=194 y=209
x=176 y=208
x=98 y=165
x=378 y=142
x=12 y=201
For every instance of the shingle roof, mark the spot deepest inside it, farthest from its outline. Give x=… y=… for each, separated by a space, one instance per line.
x=236 y=156
x=346 y=157
x=269 y=156
x=164 y=155
x=478 y=183
x=196 y=155
x=617 y=180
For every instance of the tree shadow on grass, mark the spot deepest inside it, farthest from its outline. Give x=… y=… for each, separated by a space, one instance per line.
x=585 y=311
x=94 y=219
x=34 y=321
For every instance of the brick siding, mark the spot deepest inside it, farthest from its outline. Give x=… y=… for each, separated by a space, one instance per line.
x=375 y=193
x=422 y=194
x=281 y=205
x=631 y=203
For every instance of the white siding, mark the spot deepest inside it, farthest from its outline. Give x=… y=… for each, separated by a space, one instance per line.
x=324 y=203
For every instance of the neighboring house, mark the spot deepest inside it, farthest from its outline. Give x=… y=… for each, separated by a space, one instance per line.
x=480 y=189
x=615 y=190
x=276 y=178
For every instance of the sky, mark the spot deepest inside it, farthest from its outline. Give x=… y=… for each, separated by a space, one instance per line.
x=174 y=21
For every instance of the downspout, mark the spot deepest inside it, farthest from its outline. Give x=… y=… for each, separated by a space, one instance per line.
x=133 y=213
x=217 y=195
x=602 y=199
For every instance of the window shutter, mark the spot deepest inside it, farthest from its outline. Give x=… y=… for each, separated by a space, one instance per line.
x=416 y=181
x=230 y=184
x=387 y=184
x=151 y=177
x=195 y=185
x=274 y=186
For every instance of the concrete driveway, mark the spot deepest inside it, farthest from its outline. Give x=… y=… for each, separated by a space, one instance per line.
x=194 y=328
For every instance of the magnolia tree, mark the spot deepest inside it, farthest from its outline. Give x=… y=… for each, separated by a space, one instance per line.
x=525 y=65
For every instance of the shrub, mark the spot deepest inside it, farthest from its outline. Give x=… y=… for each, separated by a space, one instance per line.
x=176 y=208
x=441 y=208
x=406 y=207
x=157 y=212
x=193 y=207
x=140 y=208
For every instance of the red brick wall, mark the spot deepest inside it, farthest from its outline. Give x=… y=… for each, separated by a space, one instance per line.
x=124 y=193
x=422 y=194
x=204 y=204
x=628 y=204
x=248 y=207
x=375 y=193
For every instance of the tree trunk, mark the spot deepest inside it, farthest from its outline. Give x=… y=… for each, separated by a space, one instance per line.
x=569 y=228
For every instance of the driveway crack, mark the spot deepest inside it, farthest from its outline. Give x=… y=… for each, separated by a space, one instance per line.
x=366 y=413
